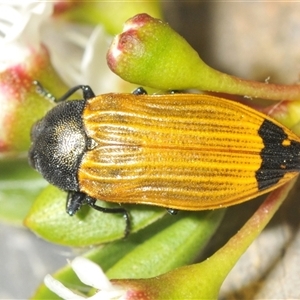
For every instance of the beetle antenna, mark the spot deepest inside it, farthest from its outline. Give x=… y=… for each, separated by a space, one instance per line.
x=43 y=92
x=86 y=91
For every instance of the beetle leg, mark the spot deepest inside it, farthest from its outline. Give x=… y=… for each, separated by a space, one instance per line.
x=111 y=210
x=172 y=211
x=74 y=201
x=86 y=91
x=139 y=91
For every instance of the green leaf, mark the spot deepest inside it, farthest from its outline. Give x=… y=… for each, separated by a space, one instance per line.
x=48 y=218
x=19 y=185
x=169 y=243
x=174 y=241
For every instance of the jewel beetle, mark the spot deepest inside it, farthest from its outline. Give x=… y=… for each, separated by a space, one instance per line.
x=178 y=151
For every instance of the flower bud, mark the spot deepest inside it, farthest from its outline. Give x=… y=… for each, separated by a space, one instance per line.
x=150 y=53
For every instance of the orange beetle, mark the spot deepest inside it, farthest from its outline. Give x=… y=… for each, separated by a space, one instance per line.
x=179 y=151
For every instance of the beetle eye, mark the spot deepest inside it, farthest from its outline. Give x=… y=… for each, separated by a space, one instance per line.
x=35 y=130
x=32 y=159
x=35 y=133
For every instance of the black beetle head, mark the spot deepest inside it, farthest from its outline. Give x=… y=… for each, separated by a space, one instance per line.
x=58 y=144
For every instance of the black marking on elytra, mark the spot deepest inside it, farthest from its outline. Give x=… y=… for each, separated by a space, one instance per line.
x=277 y=159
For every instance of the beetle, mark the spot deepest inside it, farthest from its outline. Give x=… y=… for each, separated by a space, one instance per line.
x=178 y=151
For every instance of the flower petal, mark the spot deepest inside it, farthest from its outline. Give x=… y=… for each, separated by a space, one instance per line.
x=58 y=288
x=90 y=274
x=20 y=23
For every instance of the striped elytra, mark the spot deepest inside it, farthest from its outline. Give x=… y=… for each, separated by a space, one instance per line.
x=182 y=151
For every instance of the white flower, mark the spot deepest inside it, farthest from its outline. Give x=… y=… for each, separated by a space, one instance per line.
x=20 y=23
x=90 y=274
x=78 y=53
